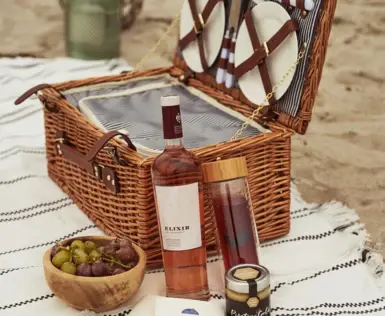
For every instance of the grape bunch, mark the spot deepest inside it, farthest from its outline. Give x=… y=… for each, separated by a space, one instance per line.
x=86 y=258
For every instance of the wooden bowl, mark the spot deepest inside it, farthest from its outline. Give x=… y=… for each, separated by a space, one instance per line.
x=98 y=294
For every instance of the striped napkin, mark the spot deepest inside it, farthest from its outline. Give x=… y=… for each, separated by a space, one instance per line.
x=323 y=267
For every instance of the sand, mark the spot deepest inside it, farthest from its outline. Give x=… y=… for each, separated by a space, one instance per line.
x=342 y=156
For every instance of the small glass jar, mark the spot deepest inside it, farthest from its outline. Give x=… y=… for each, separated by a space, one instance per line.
x=248 y=291
x=92 y=28
x=235 y=220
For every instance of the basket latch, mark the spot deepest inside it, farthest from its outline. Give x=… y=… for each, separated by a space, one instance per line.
x=87 y=162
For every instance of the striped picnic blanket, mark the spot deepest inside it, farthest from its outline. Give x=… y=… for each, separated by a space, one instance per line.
x=323 y=267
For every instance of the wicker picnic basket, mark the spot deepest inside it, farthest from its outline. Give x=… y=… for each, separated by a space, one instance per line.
x=130 y=210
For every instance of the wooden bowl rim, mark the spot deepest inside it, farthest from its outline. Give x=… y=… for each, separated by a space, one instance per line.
x=47 y=263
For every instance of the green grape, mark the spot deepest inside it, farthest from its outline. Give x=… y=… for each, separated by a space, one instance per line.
x=95 y=255
x=68 y=267
x=79 y=256
x=60 y=258
x=78 y=244
x=89 y=246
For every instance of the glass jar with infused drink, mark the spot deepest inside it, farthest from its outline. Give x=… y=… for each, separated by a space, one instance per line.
x=234 y=216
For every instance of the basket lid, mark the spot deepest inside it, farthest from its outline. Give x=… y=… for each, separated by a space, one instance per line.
x=294 y=109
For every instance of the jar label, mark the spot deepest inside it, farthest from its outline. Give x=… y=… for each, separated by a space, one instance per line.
x=252 y=307
x=179 y=216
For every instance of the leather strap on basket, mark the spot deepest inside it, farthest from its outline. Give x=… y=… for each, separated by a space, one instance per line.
x=196 y=32
x=262 y=51
x=87 y=162
x=99 y=145
x=35 y=90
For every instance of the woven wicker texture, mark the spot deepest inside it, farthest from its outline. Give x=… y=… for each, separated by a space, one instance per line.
x=131 y=213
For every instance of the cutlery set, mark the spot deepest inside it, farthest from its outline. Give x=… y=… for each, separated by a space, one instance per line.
x=245 y=47
x=224 y=73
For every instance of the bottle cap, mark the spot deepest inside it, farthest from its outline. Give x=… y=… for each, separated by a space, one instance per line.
x=222 y=170
x=170 y=100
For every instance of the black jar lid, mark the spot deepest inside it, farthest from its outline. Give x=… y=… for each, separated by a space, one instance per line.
x=240 y=277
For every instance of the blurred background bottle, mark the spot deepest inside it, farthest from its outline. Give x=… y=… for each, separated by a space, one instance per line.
x=92 y=28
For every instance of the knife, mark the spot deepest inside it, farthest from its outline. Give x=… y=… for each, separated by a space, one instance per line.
x=235 y=11
x=234 y=25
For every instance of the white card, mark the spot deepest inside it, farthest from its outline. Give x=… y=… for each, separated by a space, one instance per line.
x=184 y=307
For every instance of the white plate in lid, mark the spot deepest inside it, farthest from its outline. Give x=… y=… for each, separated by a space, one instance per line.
x=213 y=33
x=268 y=18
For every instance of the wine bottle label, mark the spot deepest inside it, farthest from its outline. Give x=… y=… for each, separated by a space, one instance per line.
x=172 y=122
x=179 y=216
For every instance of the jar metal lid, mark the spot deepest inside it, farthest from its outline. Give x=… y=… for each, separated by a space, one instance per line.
x=242 y=286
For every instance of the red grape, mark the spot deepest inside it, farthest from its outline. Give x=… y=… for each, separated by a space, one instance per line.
x=125 y=243
x=115 y=244
x=99 y=268
x=108 y=250
x=84 y=269
x=126 y=254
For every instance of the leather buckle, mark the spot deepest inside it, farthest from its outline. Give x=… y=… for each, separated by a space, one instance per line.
x=111 y=151
x=266 y=49
x=198 y=27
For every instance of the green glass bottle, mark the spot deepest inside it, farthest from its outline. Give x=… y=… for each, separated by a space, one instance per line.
x=92 y=28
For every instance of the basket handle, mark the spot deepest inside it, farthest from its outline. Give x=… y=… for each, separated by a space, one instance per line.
x=99 y=145
x=35 y=90
x=87 y=162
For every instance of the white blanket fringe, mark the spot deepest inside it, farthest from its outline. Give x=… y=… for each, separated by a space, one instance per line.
x=327 y=265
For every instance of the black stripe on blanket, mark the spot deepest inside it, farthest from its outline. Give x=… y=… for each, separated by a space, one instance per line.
x=37 y=206
x=332 y=305
x=342 y=312
x=48 y=242
x=6 y=151
x=124 y=313
x=20 y=136
x=2 y=272
x=305 y=237
x=48 y=210
x=341 y=266
x=30 y=176
x=18 y=111
x=306 y=209
x=23 y=151
x=32 y=300
x=21 y=117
